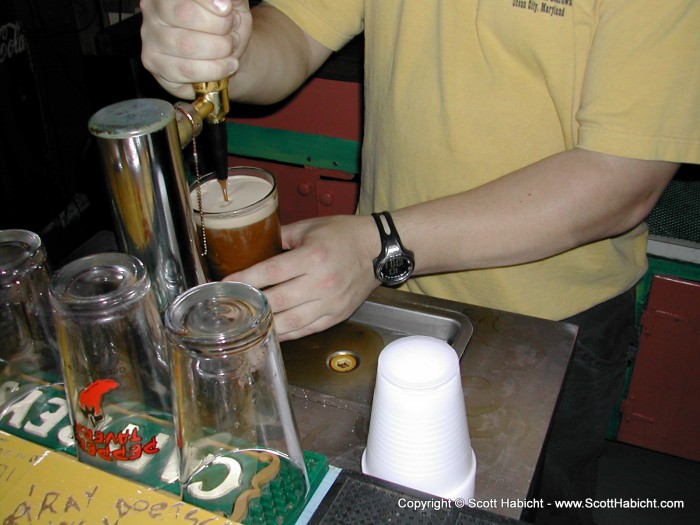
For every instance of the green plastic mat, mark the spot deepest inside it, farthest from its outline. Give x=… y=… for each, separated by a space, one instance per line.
x=36 y=410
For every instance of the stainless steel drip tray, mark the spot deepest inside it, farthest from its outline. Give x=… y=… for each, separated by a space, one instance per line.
x=341 y=362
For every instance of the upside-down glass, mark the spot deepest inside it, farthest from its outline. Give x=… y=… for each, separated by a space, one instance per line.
x=238 y=437
x=115 y=367
x=26 y=328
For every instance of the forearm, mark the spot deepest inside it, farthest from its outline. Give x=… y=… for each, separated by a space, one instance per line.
x=549 y=207
x=279 y=58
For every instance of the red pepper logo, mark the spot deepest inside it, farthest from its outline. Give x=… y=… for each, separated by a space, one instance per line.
x=114 y=444
x=90 y=399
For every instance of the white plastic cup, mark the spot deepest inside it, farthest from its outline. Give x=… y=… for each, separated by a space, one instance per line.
x=418 y=433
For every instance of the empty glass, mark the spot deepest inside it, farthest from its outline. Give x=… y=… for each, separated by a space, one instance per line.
x=240 y=452
x=26 y=329
x=116 y=368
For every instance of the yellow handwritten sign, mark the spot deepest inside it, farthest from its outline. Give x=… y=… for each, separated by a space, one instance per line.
x=38 y=486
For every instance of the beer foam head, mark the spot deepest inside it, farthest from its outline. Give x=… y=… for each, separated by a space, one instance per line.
x=249 y=202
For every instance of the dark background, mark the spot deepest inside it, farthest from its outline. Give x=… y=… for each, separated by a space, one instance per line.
x=58 y=66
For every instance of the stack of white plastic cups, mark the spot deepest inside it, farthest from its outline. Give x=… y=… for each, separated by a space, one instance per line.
x=418 y=435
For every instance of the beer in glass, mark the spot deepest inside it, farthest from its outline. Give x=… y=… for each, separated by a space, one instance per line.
x=242 y=231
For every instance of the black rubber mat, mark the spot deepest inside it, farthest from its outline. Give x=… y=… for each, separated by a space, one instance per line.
x=355 y=499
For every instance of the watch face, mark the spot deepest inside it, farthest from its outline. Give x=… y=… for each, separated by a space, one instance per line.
x=396 y=269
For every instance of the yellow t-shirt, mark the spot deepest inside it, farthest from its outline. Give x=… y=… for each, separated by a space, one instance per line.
x=461 y=92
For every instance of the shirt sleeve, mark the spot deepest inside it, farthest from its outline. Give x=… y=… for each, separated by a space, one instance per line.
x=332 y=23
x=640 y=92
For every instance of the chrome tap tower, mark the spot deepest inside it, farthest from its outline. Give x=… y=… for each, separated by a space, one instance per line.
x=140 y=142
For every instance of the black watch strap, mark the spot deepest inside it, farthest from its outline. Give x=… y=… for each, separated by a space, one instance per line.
x=394 y=265
x=387 y=237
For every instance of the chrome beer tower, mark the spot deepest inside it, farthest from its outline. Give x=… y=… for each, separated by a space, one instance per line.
x=140 y=143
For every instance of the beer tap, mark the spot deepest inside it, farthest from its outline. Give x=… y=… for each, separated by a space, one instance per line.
x=211 y=104
x=141 y=142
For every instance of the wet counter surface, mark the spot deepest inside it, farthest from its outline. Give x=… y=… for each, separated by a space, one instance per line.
x=512 y=370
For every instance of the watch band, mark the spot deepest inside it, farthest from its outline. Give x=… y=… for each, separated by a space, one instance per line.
x=387 y=237
x=394 y=264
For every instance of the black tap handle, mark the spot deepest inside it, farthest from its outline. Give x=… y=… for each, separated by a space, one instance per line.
x=217 y=147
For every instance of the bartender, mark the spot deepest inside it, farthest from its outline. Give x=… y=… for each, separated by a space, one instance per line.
x=516 y=148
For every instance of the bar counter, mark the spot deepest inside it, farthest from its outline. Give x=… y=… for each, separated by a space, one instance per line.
x=512 y=370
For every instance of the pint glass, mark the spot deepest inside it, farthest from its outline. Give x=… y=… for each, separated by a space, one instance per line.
x=115 y=366
x=245 y=229
x=239 y=448
x=26 y=327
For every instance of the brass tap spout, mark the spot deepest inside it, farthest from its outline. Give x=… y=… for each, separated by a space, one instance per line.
x=216 y=93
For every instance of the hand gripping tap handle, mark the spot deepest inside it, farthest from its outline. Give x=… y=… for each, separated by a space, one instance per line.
x=216 y=92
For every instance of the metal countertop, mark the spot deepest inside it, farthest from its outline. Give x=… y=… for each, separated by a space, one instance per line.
x=512 y=371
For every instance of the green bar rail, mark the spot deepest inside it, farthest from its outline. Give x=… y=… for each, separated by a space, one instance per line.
x=293 y=147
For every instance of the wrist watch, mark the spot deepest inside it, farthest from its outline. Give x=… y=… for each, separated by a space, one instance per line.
x=395 y=264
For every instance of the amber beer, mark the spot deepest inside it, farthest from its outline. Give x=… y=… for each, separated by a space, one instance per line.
x=245 y=229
